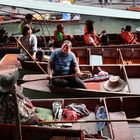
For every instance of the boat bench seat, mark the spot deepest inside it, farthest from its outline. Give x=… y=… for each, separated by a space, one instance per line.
x=121 y=130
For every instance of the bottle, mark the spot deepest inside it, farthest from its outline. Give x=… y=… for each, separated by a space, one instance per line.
x=57 y=110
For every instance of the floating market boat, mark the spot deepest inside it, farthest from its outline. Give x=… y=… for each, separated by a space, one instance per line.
x=105 y=118
x=96 y=56
x=46 y=19
x=133 y=8
x=37 y=86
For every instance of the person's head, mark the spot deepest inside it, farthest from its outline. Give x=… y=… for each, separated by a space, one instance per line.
x=128 y=28
x=66 y=46
x=122 y=29
x=28 y=18
x=104 y=32
x=60 y=27
x=27 y=31
x=90 y=28
x=8 y=78
x=89 y=22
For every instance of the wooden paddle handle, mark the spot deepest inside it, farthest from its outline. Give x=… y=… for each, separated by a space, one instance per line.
x=91 y=121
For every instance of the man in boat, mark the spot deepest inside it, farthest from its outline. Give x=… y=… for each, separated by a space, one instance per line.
x=27 y=21
x=63 y=62
x=29 y=42
x=127 y=36
x=90 y=35
x=60 y=36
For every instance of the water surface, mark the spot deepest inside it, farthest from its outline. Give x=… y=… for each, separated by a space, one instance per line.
x=111 y=25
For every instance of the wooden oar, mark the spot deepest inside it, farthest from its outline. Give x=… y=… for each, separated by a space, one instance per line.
x=18 y=123
x=93 y=121
x=30 y=55
x=21 y=81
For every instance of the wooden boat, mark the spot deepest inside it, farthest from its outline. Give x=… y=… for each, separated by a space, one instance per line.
x=117 y=108
x=46 y=19
x=96 y=56
x=8 y=49
x=120 y=62
x=133 y=8
x=6 y=20
x=123 y=62
x=42 y=89
x=117 y=123
x=78 y=41
x=115 y=41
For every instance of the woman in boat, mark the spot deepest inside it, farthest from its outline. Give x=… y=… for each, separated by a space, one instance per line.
x=29 y=42
x=60 y=36
x=90 y=35
x=127 y=36
x=63 y=62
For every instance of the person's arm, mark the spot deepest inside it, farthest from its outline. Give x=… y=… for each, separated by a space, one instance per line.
x=50 y=64
x=34 y=55
x=34 y=45
x=49 y=69
x=77 y=71
x=76 y=68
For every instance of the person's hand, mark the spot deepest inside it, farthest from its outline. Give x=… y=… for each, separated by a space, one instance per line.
x=71 y=37
x=49 y=77
x=79 y=73
x=34 y=56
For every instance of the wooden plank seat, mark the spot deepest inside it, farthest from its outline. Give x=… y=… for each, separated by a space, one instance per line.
x=121 y=130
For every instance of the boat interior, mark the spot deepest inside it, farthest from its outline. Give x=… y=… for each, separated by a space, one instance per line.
x=117 y=110
x=121 y=121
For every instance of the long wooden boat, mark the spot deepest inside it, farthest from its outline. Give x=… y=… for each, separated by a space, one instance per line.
x=117 y=108
x=118 y=62
x=96 y=56
x=10 y=45
x=9 y=21
x=78 y=41
x=123 y=62
x=133 y=8
x=46 y=19
x=116 y=123
x=95 y=88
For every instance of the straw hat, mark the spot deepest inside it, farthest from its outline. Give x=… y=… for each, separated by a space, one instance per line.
x=8 y=80
x=114 y=84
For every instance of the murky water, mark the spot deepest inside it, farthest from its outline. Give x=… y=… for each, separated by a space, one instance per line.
x=111 y=25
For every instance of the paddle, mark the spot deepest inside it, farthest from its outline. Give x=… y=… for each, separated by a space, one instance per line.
x=18 y=123
x=92 y=121
x=21 y=81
